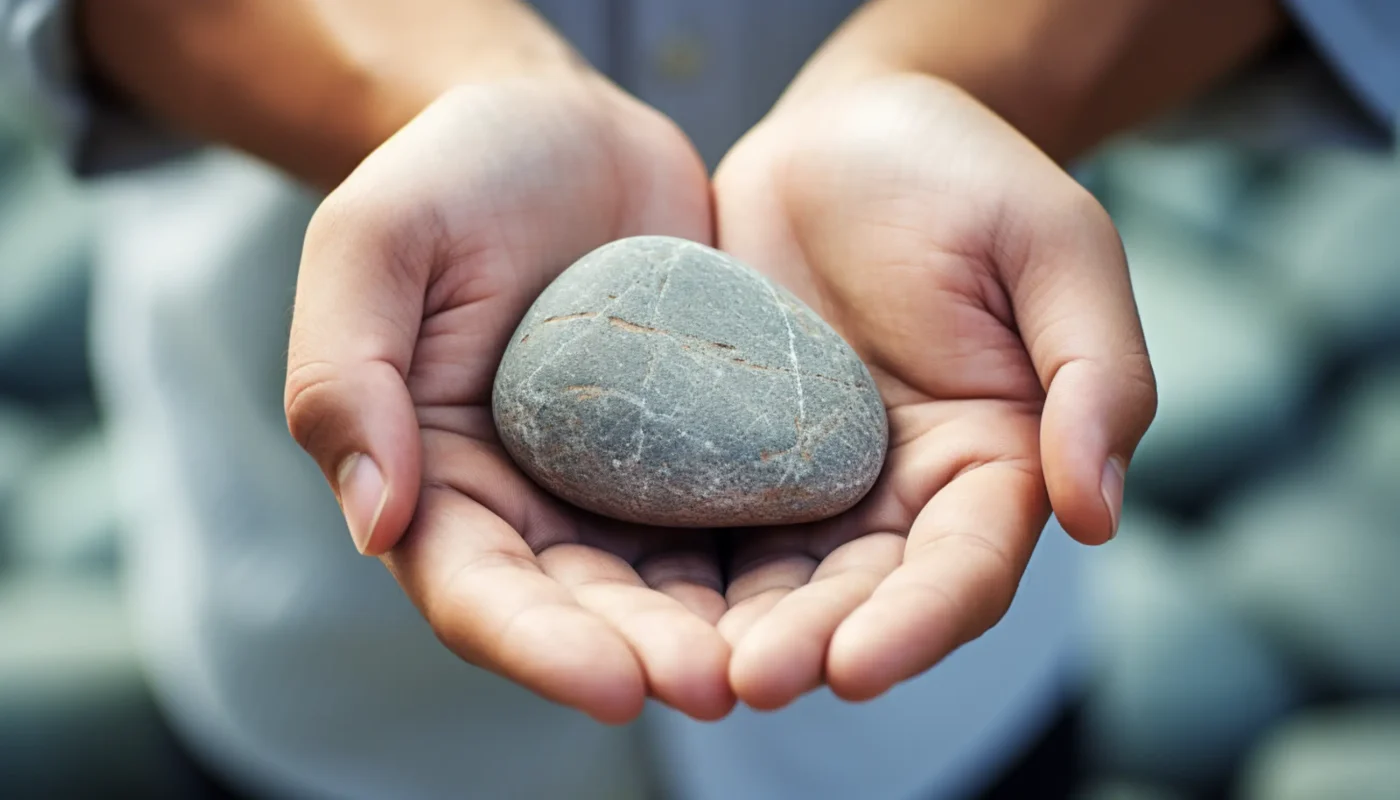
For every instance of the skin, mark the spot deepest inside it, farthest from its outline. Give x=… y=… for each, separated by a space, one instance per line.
x=947 y=249
x=987 y=291
x=587 y=612
x=906 y=187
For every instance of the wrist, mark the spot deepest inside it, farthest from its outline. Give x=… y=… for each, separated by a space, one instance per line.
x=994 y=50
x=1066 y=74
x=310 y=86
x=394 y=73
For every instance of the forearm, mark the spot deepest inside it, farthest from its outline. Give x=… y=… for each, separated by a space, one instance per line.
x=1067 y=73
x=311 y=86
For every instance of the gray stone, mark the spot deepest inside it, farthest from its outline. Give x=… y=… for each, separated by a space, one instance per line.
x=1339 y=754
x=661 y=381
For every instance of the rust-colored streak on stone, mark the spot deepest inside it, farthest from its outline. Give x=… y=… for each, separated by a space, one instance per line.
x=571 y=317
x=633 y=327
x=586 y=392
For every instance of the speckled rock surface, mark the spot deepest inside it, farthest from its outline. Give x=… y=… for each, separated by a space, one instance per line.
x=661 y=381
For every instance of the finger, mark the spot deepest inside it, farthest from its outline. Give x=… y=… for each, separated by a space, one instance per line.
x=776 y=580
x=683 y=564
x=769 y=563
x=965 y=555
x=683 y=656
x=693 y=579
x=1074 y=305
x=766 y=565
x=783 y=654
x=359 y=301
x=489 y=601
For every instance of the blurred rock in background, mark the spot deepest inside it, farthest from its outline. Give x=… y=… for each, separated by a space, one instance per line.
x=45 y=258
x=51 y=529
x=75 y=716
x=1327 y=222
x=1233 y=372
x=1253 y=587
x=76 y=719
x=1124 y=790
x=1314 y=569
x=1342 y=754
x=1184 y=688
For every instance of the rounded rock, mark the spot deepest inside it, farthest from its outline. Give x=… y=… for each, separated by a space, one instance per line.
x=664 y=382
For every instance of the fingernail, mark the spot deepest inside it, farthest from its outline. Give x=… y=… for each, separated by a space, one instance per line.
x=1112 y=488
x=362 y=496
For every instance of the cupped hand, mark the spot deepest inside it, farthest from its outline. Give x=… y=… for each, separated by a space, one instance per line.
x=988 y=293
x=414 y=274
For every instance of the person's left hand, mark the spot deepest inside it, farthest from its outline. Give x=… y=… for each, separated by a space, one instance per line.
x=988 y=293
x=415 y=273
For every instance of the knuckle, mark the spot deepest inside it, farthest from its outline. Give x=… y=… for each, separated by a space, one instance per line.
x=1078 y=214
x=996 y=580
x=1139 y=389
x=312 y=404
x=345 y=209
x=1082 y=205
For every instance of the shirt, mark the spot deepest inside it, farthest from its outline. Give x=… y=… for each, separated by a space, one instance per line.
x=296 y=667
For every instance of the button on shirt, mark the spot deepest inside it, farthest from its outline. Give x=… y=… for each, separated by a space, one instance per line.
x=298 y=668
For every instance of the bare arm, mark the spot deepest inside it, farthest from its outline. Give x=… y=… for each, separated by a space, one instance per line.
x=310 y=85
x=1066 y=73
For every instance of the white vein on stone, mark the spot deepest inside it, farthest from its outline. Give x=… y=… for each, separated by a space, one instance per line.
x=792 y=351
x=670 y=267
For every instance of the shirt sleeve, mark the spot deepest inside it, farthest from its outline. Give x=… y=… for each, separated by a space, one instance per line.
x=1360 y=40
x=1335 y=83
x=39 y=54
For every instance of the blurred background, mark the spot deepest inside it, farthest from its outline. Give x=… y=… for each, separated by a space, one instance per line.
x=1244 y=627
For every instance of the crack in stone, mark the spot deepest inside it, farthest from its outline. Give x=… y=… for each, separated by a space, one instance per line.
x=529 y=381
x=651 y=363
x=807 y=440
x=792 y=351
x=632 y=327
x=527 y=386
x=689 y=339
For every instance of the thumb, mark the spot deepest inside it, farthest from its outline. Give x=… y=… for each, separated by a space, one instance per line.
x=1074 y=306
x=359 y=302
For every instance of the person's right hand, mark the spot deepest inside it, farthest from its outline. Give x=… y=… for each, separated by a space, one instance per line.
x=414 y=274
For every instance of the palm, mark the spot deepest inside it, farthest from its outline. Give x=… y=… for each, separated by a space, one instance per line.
x=884 y=213
x=590 y=613
x=941 y=244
